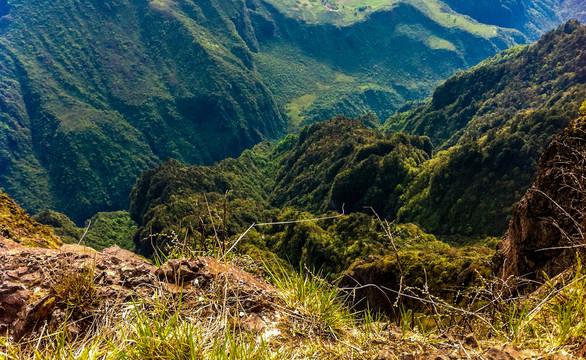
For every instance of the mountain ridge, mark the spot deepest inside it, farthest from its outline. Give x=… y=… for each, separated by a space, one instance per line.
x=199 y=82
x=466 y=191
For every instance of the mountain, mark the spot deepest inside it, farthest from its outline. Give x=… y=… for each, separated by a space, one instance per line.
x=339 y=164
x=490 y=125
x=517 y=102
x=96 y=91
x=528 y=16
x=342 y=162
x=101 y=231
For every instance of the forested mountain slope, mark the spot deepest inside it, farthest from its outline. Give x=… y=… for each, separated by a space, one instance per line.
x=96 y=91
x=492 y=123
x=468 y=189
x=93 y=92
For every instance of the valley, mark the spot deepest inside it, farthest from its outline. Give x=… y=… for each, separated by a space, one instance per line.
x=96 y=93
x=278 y=179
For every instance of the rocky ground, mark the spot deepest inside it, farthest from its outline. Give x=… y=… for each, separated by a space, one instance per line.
x=30 y=296
x=33 y=302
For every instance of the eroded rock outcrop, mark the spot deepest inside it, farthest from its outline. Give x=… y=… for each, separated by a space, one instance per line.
x=549 y=223
x=32 y=285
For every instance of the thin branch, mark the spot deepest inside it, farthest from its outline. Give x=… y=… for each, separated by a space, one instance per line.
x=563 y=210
x=562 y=247
x=85 y=232
x=237 y=241
x=302 y=221
x=425 y=301
x=387 y=229
x=212 y=219
x=278 y=223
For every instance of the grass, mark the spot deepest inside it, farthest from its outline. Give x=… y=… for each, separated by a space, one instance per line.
x=308 y=319
x=344 y=12
x=296 y=108
x=558 y=315
x=343 y=78
x=437 y=43
x=75 y=290
x=316 y=300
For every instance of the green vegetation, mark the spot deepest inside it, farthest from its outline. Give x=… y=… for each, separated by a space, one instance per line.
x=76 y=292
x=344 y=163
x=296 y=107
x=313 y=298
x=16 y=225
x=463 y=193
x=61 y=224
x=344 y=12
x=107 y=229
x=95 y=93
x=168 y=328
x=86 y=77
x=491 y=124
x=103 y=229
x=474 y=17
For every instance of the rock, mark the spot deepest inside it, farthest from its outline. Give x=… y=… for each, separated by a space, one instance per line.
x=253 y=323
x=122 y=254
x=497 y=354
x=28 y=277
x=177 y=271
x=77 y=249
x=13 y=300
x=509 y=352
x=36 y=314
x=549 y=220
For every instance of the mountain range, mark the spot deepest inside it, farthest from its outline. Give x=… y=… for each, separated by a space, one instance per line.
x=269 y=212
x=94 y=92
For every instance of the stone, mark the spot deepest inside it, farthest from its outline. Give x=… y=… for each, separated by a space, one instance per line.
x=548 y=221
x=27 y=280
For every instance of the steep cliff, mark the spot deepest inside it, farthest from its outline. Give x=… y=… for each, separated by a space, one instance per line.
x=493 y=121
x=548 y=227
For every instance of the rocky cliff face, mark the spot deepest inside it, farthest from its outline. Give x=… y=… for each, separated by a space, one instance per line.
x=548 y=226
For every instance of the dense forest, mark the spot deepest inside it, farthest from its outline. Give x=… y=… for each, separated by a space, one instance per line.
x=416 y=188
x=463 y=191
x=94 y=92
x=489 y=126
